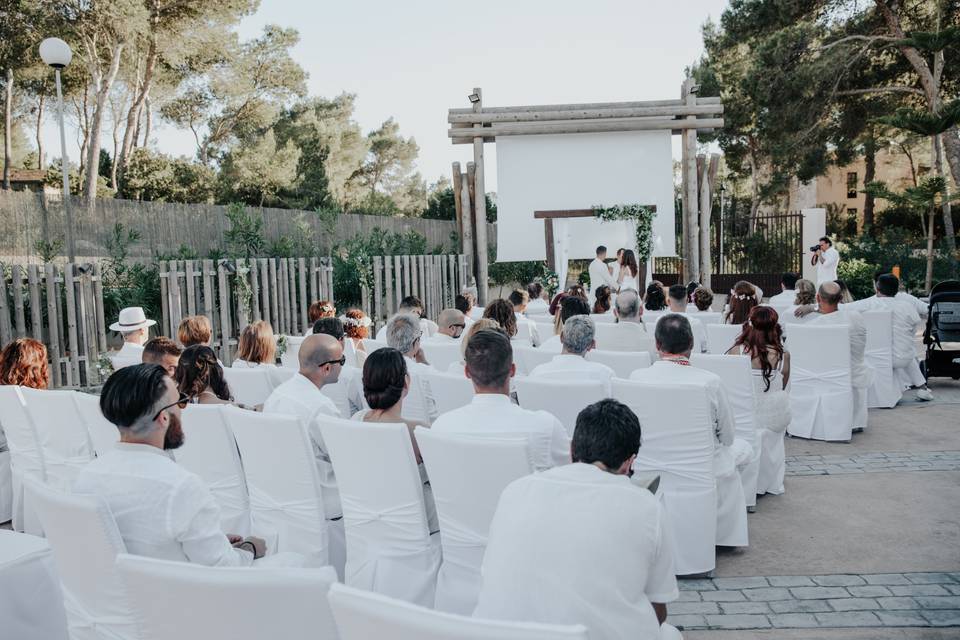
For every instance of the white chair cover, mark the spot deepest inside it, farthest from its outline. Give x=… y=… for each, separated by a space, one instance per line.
x=821 y=398
x=282 y=481
x=708 y=317
x=278 y=375
x=239 y=603
x=210 y=451
x=389 y=546
x=623 y=363
x=103 y=433
x=678 y=444
x=467 y=476
x=528 y=358
x=31 y=600
x=415 y=406
x=290 y=359
x=26 y=456
x=441 y=355
x=544 y=327
x=562 y=398
x=603 y=318
x=339 y=393
x=450 y=390
x=248 y=386
x=720 y=337
x=361 y=615
x=350 y=352
x=626 y=336
x=737 y=380
x=372 y=345
x=63 y=438
x=85 y=543
x=885 y=392
x=6 y=485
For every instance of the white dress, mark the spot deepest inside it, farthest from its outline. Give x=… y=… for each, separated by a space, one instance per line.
x=629 y=282
x=771 y=411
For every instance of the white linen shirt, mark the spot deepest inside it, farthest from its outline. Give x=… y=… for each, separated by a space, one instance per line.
x=420 y=405
x=527 y=330
x=538 y=306
x=783 y=299
x=696 y=326
x=827 y=270
x=905 y=319
x=128 y=355
x=161 y=509
x=922 y=308
x=624 y=336
x=300 y=397
x=494 y=415
x=600 y=274
x=567 y=366
x=861 y=375
x=578 y=545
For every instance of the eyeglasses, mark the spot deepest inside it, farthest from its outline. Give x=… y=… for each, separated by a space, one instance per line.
x=342 y=361
x=181 y=402
x=455 y=326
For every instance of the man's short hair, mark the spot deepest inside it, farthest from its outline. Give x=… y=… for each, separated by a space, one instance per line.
x=534 y=290
x=833 y=297
x=673 y=334
x=461 y=304
x=131 y=396
x=607 y=431
x=601 y=249
x=154 y=350
x=703 y=298
x=789 y=280
x=888 y=285
x=827 y=240
x=409 y=303
x=488 y=357
x=403 y=330
x=518 y=297
x=578 y=334
x=573 y=306
x=678 y=292
x=329 y=326
x=628 y=303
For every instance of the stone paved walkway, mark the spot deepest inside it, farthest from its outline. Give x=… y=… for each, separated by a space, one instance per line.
x=876 y=462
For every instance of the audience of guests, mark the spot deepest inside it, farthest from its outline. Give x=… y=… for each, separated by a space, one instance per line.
x=703 y=299
x=194 y=330
x=161 y=509
x=580 y=543
x=199 y=376
x=164 y=352
x=452 y=324
x=762 y=340
x=743 y=298
x=805 y=294
x=134 y=327
x=351 y=377
x=655 y=299
x=526 y=328
x=257 y=346
x=788 y=283
x=404 y=335
x=569 y=307
x=537 y=305
x=601 y=303
x=23 y=363
x=489 y=365
x=578 y=337
x=412 y=305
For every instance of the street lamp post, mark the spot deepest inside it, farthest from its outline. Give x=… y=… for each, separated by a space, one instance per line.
x=56 y=53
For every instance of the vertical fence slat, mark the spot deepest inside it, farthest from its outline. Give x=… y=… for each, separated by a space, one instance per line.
x=191 y=286
x=90 y=327
x=224 y=315
x=398 y=274
x=165 y=320
x=328 y=281
x=407 y=278
x=243 y=306
x=274 y=296
x=36 y=312
x=6 y=333
x=314 y=281
x=294 y=313
x=98 y=301
x=176 y=308
x=388 y=286
x=302 y=273
x=16 y=277
x=421 y=276
x=208 y=297
x=284 y=296
x=71 y=303
x=255 y=291
x=53 y=345
x=377 y=305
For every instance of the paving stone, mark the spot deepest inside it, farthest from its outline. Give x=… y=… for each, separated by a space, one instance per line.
x=939 y=602
x=897 y=603
x=793 y=620
x=943 y=617
x=701 y=584
x=723 y=596
x=684 y=608
x=766 y=594
x=869 y=591
x=839 y=580
x=688 y=621
x=744 y=607
x=848 y=619
x=800 y=606
x=930 y=578
x=902 y=619
x=790 y=581
x=740 y=583
x=953 y=588
x=689 y=596
x=919 y=590
x=811 y=593
x=742 y=621
x=854 y=604
x=886 y=578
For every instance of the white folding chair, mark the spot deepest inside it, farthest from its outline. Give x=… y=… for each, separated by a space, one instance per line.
x=389 y=546
x=31 y=606
x=529 y=358
x=885 y=392
x=821 y=398
x=626 y=336
x=720 y=337
x=678 y=444
x=85 y=543
x=441 y=355
x=248 y=386
x=290 y=359
x=210 y=451
x=467 y=476
x=278 y=375
x=623 y=363
x=339 y=393
x=563 y=399
x=6 y=482
x=361 y=615
x=603 y=318
x=103 y=433
x=63 y=439
x=736 y=378
x=26 y=456
x=282 y=481
x=204 y=603
x=450 y=390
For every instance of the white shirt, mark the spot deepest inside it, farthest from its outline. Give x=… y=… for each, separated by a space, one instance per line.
x=161 y=509
x=699 y=331
x=300 y=397
x=442 y=338
x=552 y=344
x=538 y=306
x=624 y=336
x=428 y=327
x=860 y=374
x=420 y=404
x=575 y=368
x=783 y=299
x=922 y=308
x=243 y=364
x=128 y=355
x=827 y=270
x=905 y=320
x=600 y=275
x=494 y=415
x=578 y=545
x=527 y=330
x=347 y=392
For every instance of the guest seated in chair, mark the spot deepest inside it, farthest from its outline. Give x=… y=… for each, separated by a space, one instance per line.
x=194 y=330
x=23 y=363
x=161 y=509
x=788 y=284
x=199 y=376
x=569 y=306
x=356 y=327
x=581 y=544
x=702 y=299
x=134 y=327
x=677 y=303
x=464 y=304
x=577 y=338
x=601 y=304
x=655 y=299
x=743 y=297
x=537 y=305
x=526 y=328
x=351 y=377
x=164 y=352
x=412 y=305
x=451 y=323
x=404 y=335
x=258 y=346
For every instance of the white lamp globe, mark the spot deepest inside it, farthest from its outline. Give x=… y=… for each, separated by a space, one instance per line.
x=55 y=52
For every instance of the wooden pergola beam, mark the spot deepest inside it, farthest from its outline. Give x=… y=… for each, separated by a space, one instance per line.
x=592 y=105
x=583 y=126
x=584 y=114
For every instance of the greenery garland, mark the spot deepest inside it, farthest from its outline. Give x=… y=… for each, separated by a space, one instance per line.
x=638 y=213
x=243 y=290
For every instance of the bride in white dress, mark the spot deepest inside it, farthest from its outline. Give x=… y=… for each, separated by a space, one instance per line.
x=627 y=276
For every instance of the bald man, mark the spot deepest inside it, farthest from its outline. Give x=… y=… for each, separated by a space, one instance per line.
x=451 y=322
x=321 y=359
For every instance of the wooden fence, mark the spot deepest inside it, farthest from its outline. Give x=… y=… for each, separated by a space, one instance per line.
x=233 y=293
x=61 y=306
x=435 y=279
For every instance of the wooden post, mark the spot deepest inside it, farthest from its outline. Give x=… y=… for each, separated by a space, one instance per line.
x=468 y=227
x=706 y=208
x=6 y=333
x=376 y=310
x=36 y=313
x=387 y=309
x=265 y=294
x=691 y=236
x=225 y=331
x=480 y=203
x=397 y=283
x=72 y=323
x=188 y=277
x=16 y=273
x=173 y=283
x=98 y=300
x=208 y=300
x=455 y=185
x=53 y=320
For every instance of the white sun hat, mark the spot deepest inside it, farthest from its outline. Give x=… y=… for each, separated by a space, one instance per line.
x=131 y=319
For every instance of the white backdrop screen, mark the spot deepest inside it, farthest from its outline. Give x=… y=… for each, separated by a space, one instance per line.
x=578 y=171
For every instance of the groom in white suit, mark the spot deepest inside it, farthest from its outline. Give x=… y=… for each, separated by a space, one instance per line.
x=600 y=274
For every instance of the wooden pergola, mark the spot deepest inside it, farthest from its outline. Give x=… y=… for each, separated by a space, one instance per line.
x=685 y=116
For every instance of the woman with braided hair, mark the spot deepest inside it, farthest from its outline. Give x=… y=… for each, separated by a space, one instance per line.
x=200 y=377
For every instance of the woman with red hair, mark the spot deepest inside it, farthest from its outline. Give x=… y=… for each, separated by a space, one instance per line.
x=23 y=362
x=356 y=327
x=762 y=340
x=743 y=298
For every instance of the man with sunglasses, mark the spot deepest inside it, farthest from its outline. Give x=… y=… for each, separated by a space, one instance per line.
x=451 y=323
x=161 y=509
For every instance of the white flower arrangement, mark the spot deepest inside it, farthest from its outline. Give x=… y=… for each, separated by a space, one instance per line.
x=641 y=215
x=365 y=321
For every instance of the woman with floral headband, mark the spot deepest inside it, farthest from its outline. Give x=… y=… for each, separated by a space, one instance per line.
x=743 y=297
x=319 y=309
x=356 y=327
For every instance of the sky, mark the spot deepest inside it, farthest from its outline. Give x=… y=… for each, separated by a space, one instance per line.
x=414 y=60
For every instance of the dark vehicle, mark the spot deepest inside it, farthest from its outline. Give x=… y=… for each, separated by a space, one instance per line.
x=942 y=335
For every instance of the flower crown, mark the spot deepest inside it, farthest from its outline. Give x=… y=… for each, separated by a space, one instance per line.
x=356 y=322
x=743 y=296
